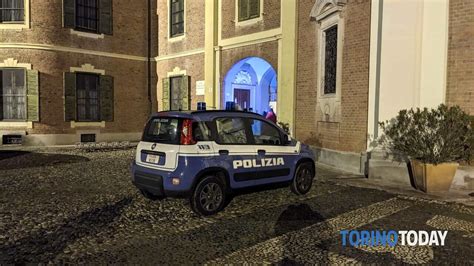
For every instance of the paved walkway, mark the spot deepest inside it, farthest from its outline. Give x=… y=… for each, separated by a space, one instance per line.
x=70 y=207
x=454 y=195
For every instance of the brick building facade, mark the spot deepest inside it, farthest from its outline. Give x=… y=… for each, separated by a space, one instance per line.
x=284 y=36
x=331 y=69
x=79 y=68
x=460 y=76
x=341 y=66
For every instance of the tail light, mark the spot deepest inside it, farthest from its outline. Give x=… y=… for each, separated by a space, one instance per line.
x=187 y=133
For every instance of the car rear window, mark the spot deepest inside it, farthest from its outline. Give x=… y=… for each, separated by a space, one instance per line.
x=162 y=130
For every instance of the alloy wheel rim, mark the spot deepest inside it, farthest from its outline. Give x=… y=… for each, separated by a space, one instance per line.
x=303 y=179
x=211 y=197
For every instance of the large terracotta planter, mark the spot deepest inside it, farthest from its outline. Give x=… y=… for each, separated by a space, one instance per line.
x=433 y=178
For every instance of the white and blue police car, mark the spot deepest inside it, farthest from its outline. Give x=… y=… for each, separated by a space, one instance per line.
x=207 y=155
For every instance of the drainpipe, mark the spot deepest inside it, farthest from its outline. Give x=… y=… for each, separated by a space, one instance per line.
x=378 y=67
x=150 y=105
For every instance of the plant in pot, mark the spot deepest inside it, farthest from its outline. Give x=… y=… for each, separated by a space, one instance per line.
x=434 y=140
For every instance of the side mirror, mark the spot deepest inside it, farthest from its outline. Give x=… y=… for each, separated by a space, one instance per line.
x=286 y=139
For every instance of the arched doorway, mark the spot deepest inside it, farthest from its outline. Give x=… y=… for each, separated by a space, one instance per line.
x=251 y=83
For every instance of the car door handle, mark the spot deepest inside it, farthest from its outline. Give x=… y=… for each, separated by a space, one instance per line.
x=261 y=151
x=223 y=152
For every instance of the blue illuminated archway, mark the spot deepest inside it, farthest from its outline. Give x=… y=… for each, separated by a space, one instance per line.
x=251 y=82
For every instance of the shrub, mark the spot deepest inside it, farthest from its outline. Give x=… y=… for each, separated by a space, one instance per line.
x=285 y=127
x=432 y=136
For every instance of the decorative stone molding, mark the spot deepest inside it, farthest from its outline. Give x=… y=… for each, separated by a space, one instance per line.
x=22 y=125
x=75 y=124
x=11 y=62
x=323 y=8
x=243 y=77
x=87 y=34
x=48 y=47
x=177 y=72
x=328 y=13
x=88 y=68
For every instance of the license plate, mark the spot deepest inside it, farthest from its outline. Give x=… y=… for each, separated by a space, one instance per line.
x=151 y=158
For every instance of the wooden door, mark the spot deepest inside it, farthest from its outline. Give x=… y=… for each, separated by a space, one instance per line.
x=242 y=98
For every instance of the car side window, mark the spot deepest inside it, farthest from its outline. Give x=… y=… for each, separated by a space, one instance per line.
x=202 y=131
x=231 y=131
x=264 y=133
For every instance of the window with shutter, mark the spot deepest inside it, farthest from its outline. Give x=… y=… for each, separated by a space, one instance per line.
x=13 y=94
x=93 y=16
x=12 y=11
x=176 y=17
x=179 y=92
x=87 y=97
x=248 y=9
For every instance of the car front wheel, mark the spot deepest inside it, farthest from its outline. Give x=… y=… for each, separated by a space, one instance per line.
x=208 y=197
x=303 y=179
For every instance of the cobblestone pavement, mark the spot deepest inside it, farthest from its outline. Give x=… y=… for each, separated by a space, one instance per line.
x=70 y=207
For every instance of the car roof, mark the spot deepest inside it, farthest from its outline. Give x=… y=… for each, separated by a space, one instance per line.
x=206 y=115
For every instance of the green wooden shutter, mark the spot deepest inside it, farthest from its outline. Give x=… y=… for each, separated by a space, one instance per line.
x=69 y=96
x=105 y=17
x=166 y=94
x=184 y=92
x=1 y=95
x=106 y=92
x=32 y=95
x=69 y=16
x=254 y=8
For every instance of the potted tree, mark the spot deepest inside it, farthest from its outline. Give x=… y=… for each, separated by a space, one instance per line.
x=434 y=141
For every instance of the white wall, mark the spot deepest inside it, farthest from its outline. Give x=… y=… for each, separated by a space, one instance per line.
x=413 y=56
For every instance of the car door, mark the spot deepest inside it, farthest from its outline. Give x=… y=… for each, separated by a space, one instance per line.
x=235 y=151
x=276 y=159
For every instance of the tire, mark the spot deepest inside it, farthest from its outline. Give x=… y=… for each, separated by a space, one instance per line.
x=303 y=179
x=209 y=196
x=150 y=196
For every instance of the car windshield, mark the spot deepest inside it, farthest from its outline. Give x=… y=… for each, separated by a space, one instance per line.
x=162 y=130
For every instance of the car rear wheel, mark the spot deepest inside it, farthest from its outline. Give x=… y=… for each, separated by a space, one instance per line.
x=208 y=197
x=303 y=179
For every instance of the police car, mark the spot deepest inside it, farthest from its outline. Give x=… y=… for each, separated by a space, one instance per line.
x=207 y=155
